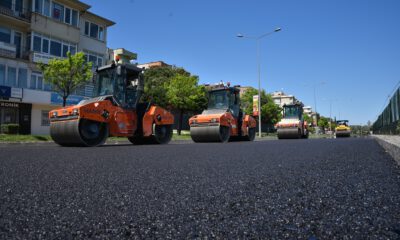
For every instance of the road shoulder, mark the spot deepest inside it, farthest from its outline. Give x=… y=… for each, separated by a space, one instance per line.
x=391 y=144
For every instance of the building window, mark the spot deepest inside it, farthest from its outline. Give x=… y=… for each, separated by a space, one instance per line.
x=22 y=78
x=11 y=77
x=75 y=18
x=72 y=50
x=32 y=84
x=87 y=28
x=5 y=35
x=45 y=118
x=37 y=42
x=45 y=45
x=58 y=11
x=99 y=62
x=2 y=74
x=94 y=31
x=67 y=15
x=42 y=7
x=38 y=6
x=39 y=83
x=101 y=33
x=65 y=50
x=55 y=48
x=95 y=59
x=46 y=8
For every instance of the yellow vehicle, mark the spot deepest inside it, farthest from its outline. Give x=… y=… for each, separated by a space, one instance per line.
x=342 y=129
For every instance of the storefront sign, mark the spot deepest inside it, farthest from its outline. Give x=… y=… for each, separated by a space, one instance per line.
x=42 y=58
x=16 y=92
x=255 y=105
x=56 y=99
x=5 y=92
x=9 y=104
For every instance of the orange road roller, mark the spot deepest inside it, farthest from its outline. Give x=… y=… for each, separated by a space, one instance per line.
x=292 y=125
x=114 y=111
x=223 y=120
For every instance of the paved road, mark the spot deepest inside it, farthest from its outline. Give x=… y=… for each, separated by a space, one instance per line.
x=307 y=189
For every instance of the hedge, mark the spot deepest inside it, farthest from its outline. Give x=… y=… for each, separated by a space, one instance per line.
x=9 y=128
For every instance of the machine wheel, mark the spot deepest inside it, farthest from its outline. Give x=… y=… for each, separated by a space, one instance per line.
x=224 y=134
x=162 y=133
x=251 y=134
x=80 y=132
x=93 y=133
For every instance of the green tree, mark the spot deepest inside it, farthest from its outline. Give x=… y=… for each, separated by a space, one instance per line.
x=156 y=81
x=270 y=112
x=65 y=75
x=307 y=118
x=323 y=122
x=184 y=94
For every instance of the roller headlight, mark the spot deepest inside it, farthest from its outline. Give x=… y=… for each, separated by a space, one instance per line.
x=55 y=114
x=214 y=120
x=75 y=112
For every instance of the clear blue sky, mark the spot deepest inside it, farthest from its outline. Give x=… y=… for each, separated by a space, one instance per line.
x=351 y=46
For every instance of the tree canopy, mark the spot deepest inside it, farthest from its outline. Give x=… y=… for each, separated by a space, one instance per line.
x=270 y=112
x=184 y=94
x=65 y=75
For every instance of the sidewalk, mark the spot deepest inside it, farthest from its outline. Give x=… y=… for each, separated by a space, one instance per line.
x=391 y=143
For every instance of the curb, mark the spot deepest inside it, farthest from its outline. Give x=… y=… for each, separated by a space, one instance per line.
x=391 y=149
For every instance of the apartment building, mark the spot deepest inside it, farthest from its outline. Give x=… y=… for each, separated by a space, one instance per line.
x=34 y=31
x=280 y=98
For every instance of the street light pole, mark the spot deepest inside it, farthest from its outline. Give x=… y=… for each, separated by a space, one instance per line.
x=259 y=87
x=259 y=70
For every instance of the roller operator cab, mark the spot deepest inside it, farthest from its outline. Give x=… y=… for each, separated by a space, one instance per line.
x=342 y=128
x=292 y=124
x=113 y=111
x=223 y=120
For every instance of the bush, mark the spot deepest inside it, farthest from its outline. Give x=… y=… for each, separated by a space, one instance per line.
x=9 y=128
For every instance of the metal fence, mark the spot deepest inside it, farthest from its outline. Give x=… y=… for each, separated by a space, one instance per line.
x=388 y=121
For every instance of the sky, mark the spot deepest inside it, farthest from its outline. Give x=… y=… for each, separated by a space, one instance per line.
x=349 y=51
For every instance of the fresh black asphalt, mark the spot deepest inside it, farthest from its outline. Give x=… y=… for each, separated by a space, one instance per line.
x=287 y=189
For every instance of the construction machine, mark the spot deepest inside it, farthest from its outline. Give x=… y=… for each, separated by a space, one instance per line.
x=342 y=128
x=113 y=111
x=223 y=120
x=292 y=125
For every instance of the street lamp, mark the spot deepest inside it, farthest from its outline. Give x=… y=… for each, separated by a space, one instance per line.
x=258 y=38
x=315 y=97
x=330 y=111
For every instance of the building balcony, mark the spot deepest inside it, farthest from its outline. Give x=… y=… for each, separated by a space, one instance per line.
x=44 y=58
x=49 y=26
x=8 y=50
x=23 y=14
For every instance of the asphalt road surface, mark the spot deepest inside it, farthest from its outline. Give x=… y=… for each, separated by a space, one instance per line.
x=306 y=189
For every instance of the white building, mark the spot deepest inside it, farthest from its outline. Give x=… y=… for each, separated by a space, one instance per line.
x=280 y=98
x=33 y=31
